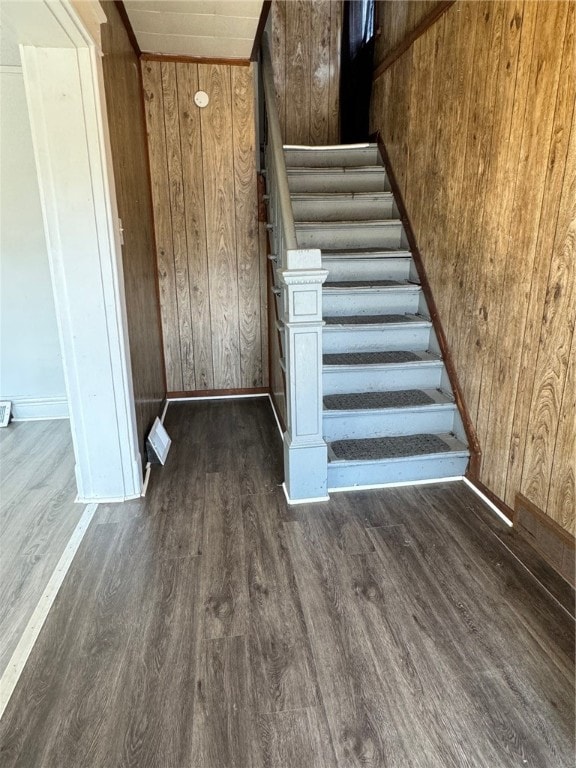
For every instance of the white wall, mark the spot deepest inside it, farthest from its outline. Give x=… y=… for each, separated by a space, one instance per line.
x=31 y=373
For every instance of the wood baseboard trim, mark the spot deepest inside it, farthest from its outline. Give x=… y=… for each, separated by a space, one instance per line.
x=430 y=19
x=194 y=59
x=552 y=542
x=473 y=443
x=204 y=394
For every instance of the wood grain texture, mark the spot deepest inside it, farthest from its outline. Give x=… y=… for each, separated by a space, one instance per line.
x=283 y=670
x=153 y=95
x=224 y=587
x=217 y=146
x=178 y=224
x=306 y=62
x=247 y=240
x=37 y=518
x=206 y=206
x=486 y=100
x=198 y=273
x=375 y=628
x=126 y=124
x=400 y=24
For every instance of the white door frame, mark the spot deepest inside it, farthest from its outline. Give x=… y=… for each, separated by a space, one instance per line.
x=62 y=68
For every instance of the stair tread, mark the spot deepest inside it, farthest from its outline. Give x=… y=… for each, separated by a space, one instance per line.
x=366 y=253
x=402 y=398
x=366 y=284
x=348 y=223
x=346 y=196
x=388 y=357
x=374 y=319
x=403 y=446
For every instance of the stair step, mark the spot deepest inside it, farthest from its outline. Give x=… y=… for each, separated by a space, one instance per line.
x=387 y=297
x=407 y=458
x=373 y=358
x=351 y=206
x=380 y=414
x=373 y=320
x=346 y=155
x=423 y=371
x=365 y=285
x=401 y=398
x=382 y=233
x=398 y=268
x=386 y=333
x=370 y=179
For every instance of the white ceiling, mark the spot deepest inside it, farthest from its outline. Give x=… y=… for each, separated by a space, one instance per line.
x=204 y=28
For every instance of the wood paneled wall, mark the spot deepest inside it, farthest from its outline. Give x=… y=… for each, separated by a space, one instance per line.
x=205 y=197
x=123 y=89
x=478 y=117
x=396 y=19
x=306 y=58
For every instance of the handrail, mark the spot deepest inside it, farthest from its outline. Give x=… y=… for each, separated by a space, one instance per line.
x=277 y=147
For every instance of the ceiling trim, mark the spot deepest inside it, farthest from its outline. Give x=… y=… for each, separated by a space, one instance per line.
x=194 y=59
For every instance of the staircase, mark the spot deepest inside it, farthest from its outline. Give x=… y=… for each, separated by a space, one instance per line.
x=389 y=414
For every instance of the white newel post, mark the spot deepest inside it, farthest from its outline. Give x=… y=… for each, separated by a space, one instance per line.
x=305 y=452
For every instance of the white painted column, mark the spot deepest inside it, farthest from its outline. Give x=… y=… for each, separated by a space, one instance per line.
x=305 y=452
x=67 y=113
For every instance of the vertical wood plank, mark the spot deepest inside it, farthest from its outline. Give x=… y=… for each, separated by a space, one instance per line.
x=551 y=310
x=320 y=55
x=192 y=174
x=278 y=44
x=152 y=79
x=543 y=84
x=216 y=122
x=224 y=589
x=298 y=13
x=335 y=59
x=128 y=144
x=180 y=246
x=562 y=492
x=246 y=211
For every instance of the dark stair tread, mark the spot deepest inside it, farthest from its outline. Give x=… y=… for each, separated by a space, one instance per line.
x=370 y=358
x=402 y=398
x=377 y=448
x=372 y=319
x=369 y=284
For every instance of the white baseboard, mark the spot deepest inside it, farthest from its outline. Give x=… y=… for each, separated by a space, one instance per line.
x=38 y=408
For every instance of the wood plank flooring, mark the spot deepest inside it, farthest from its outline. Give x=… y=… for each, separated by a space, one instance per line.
x=37 y=518
x=209 y=625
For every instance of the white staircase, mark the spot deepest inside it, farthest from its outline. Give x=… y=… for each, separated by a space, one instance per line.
x=389 y=414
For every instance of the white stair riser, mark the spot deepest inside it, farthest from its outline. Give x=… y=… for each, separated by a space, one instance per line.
x=374 y=302
x=354 y=209
x=334 y=181
x=368 y=269
x=332 y=158
x=350 y=474
x=381 y=378
x=357 y=339
x=340 y=236
x=387 y=422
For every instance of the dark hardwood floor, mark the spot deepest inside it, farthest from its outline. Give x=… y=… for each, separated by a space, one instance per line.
x=210 y=625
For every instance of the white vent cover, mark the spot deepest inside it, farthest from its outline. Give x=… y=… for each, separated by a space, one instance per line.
x=5 y=408
x=158 y=443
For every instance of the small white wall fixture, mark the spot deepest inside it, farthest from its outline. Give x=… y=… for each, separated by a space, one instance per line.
x=61 y=61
